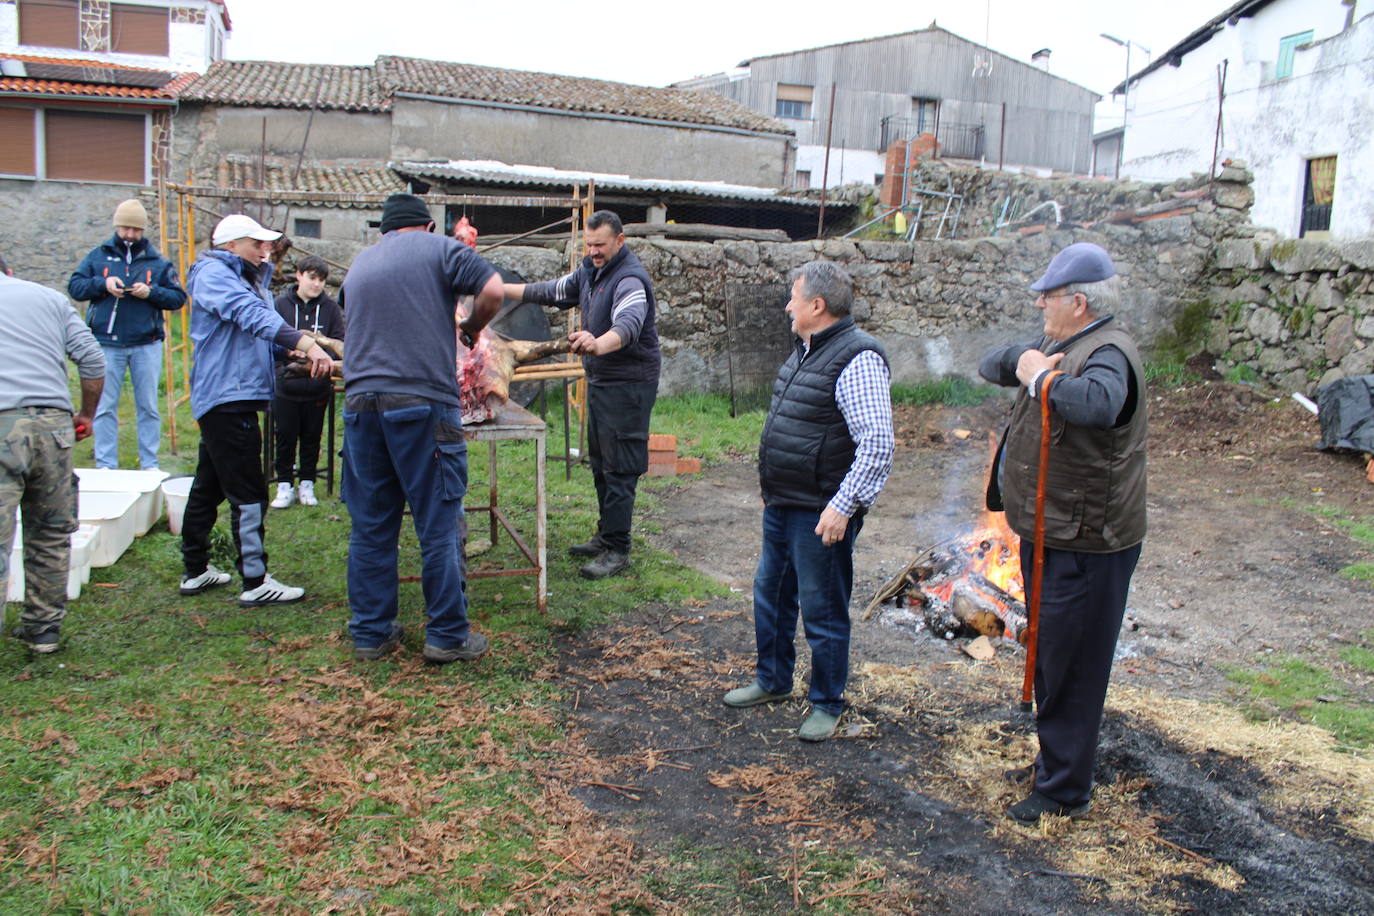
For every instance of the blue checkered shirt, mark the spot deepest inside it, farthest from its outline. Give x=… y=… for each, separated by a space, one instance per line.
x=863 y=392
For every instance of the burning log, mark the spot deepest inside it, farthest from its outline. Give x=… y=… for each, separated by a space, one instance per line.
x=965 y=586
x=485 y=371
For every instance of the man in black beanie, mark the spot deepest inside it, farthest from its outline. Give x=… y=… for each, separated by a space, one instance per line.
x=403 y=435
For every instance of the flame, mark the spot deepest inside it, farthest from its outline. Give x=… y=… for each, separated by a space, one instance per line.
x=994 y=552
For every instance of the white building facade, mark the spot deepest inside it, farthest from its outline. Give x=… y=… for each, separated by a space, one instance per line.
x=1296 y=105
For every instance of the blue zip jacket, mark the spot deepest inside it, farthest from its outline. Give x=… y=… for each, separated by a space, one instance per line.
x=128 y=321
x=233 y=327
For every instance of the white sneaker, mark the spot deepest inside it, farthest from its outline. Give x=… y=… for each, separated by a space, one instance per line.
x=270 y=592
x=307 y=494
x=286 y=495
x=194 y=585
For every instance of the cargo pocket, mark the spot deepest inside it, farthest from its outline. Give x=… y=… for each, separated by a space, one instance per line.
x=631 y=453
x=453 y=469
x=1064 y=508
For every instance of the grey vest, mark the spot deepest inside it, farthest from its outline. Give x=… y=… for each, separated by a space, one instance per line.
x=1095 y=489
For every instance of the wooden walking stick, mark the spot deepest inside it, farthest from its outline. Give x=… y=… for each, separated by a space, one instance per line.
x=1038 y=563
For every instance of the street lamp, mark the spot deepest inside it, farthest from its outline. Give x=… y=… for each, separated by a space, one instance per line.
x=1125 y=86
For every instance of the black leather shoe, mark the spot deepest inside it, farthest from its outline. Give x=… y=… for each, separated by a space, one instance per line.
x=608 y=563
x=590 y=548
x=472 y=648
x=1027 y=812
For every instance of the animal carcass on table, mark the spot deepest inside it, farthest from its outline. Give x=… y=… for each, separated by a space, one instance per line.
x=485 y=371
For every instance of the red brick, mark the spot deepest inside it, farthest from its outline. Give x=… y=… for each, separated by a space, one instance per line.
x=688 y=466
x=661 y=470
x=661 y=441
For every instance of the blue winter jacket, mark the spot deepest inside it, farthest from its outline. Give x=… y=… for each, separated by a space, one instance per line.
x=233 y=324
x=128 y=321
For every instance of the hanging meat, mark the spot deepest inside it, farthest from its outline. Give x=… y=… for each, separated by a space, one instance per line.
x=484 y=372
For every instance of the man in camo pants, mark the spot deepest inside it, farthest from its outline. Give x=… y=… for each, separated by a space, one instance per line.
x=37 y=431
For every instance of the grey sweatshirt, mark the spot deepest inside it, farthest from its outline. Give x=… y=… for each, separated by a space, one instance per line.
x=41 y=331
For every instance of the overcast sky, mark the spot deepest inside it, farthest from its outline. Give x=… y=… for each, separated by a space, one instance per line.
x=654 y=43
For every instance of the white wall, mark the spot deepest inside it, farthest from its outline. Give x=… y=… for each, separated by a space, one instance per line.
x=846 y=165
x=1274 y=125
x=188 y=45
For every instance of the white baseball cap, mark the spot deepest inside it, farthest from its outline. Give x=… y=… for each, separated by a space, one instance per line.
x=238 y=226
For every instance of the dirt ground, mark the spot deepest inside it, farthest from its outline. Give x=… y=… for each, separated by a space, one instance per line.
x=1196 y=808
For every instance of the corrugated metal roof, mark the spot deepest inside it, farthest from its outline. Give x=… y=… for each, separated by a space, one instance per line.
x=492 y=172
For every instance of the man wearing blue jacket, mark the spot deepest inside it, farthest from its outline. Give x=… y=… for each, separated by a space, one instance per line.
x=128 y=284
x=236 y=331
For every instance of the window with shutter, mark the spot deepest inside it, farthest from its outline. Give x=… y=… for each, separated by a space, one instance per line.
x=93 y=146
x=49 y=23
x=139 y=29
x=16 y=141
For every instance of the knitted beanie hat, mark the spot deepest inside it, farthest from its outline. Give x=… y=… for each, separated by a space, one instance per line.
x=131 y=213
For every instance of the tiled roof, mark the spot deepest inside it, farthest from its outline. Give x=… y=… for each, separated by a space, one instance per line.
x=30 y=73
x=274 y=84
x=283 y=85
x=239 y=171
x=570 y=93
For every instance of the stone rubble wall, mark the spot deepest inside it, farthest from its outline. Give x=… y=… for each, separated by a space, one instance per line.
x=1297 y=313
x=939 y=305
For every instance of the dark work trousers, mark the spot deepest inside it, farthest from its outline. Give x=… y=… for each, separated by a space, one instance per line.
x=298 y=421
x=1083 y=600
x=618 y=445
x=229 y=467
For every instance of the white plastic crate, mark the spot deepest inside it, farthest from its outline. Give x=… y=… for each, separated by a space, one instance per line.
x=146 y=484
x=114 y=514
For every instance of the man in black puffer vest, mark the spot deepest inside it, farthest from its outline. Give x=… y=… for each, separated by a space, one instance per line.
x=619 y=346
x=824 y=456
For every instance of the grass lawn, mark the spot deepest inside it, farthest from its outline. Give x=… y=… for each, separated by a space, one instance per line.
x=182 y=755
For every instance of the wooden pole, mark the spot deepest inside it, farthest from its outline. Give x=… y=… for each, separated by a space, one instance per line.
x=825 y=171
x=1038 y=549
x=1221 y=97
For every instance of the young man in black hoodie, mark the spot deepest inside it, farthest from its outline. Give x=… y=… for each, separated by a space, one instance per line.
x=299 y=406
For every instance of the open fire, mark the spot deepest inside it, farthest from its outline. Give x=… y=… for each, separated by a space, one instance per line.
x=965 y=586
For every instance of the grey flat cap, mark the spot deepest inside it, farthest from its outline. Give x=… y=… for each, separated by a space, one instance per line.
x=1081 y=262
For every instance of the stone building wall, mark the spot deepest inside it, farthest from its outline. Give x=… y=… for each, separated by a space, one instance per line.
x=1295 y=313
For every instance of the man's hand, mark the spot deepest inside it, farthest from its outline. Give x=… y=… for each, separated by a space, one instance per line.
x=582 y=343
x=140 y=290
x=115 y=287
x=469 y=330
x=82 y=424
x=1032 y=362
x=831 y=527
x=321 y=364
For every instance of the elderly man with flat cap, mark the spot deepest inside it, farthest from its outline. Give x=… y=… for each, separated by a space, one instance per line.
x=1088 y=367
x=403 y=430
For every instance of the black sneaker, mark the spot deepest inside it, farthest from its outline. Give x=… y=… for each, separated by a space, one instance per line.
x=45 y=643
x=1027 y=812
x=588 y=549
x=608 y=563
x=372 y=653
x=472 y=648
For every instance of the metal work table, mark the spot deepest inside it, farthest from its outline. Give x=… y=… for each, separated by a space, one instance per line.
x=515 y=423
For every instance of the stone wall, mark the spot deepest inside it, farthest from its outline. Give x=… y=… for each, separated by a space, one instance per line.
x=1295 y=313
x=938 y=305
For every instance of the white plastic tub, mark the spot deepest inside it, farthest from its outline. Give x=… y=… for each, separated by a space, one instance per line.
x=114 y=514
x=83 y=539
x=175 y=490
x=146 y=484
